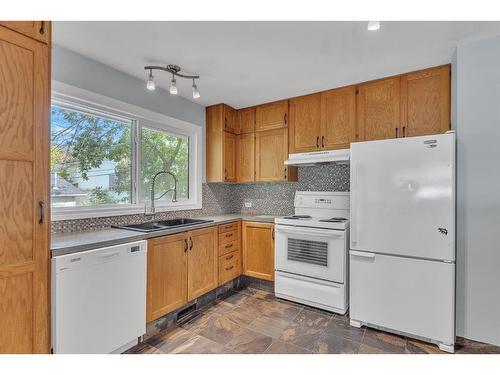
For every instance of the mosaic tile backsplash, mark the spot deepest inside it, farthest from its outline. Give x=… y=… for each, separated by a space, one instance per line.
x=265 y=198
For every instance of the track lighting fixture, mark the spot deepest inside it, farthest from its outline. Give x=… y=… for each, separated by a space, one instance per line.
x=175 y=71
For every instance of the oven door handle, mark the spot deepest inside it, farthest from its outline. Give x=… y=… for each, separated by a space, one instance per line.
x=328 y=233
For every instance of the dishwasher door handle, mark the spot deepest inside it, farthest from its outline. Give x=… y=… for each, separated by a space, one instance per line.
x=109 y=255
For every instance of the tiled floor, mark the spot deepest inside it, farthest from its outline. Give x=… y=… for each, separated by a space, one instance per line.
x=253 y=321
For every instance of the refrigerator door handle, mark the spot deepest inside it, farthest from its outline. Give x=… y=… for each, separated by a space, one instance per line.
x=353 y=230
x=362 y=254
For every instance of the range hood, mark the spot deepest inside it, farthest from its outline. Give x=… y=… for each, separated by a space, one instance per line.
x=319 y=157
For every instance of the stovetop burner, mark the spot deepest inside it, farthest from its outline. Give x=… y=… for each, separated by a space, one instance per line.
x=334 y=220
x=297 y=217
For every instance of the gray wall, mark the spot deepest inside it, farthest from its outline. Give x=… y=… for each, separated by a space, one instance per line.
x=477 y=101
x=77 y=70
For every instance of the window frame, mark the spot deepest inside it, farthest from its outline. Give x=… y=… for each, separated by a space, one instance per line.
x=79 y=99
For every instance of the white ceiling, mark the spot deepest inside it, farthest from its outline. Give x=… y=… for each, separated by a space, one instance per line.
x=248 y=63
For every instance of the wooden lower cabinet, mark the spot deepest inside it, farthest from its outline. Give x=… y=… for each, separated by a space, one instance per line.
x=202 y=262
x=167 y=275
x=258 y=250
x=181 y=267
x=229 y=251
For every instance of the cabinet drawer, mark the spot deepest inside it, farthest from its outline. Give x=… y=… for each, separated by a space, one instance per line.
x=228 y=237
x=223 y=228
x=229 y=247
x=229 y=267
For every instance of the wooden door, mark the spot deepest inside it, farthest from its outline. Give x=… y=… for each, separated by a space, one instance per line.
x=167 y=275
x=229 y=157
x=230 y=120
x=258 y=250
x=378 y=114
x=39 y=30
x=246 y=120
x=24 y=197
x=305 y=123
x=202 y=262
x=245 y=159
x=271 y=115
x=425 y=102
x=338 y=118
x=271 y=151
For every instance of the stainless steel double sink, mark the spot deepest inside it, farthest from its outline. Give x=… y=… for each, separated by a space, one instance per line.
x=154 y=226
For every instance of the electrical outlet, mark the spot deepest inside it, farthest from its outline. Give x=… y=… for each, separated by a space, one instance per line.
x=248 y=204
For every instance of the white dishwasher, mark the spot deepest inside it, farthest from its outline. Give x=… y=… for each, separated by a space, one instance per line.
x=99 y=299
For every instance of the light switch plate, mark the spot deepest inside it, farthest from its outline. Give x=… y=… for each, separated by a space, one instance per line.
x=248 y=204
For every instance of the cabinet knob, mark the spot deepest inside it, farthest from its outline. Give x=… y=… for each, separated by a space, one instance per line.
x=322 y=141
x=317 y=141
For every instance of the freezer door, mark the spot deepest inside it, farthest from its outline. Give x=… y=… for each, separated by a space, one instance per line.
x=403 y=196
x=412 y=296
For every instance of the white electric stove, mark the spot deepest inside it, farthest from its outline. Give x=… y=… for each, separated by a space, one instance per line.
x=311 y=251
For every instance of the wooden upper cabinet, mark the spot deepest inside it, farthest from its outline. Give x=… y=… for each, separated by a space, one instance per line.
x=378 y=114
x=202 y=261
x=220 y=147
x=305 y=123
x=271 y=115
x=24 y=193
x=246 y=120
x=338 y=118
x=229 y=157
x=271 y=151
x=258 y=250
x=39 y=30
x=230 y=119
x=425 y=102
x=245 y=157
x=167 y=275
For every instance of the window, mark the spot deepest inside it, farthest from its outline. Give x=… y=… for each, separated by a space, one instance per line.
x=90 y=158
x=168 y=152
x=104 y=154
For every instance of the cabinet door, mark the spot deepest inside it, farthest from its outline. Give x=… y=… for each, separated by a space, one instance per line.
x=258 y=250
x=167 y=275
x=425 y=102
x=305 y=123
x=246 y=120
x=245 y=162
x=338 y=118
x=271 y=115
x=24 y=196
x=202 y=262
x=230 y=120
x=378 y=109
x=39 y=30
x=229 y=157
x=271 y=151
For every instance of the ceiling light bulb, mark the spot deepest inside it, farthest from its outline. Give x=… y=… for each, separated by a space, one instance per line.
x=196 y=92
x=150 y=85
x=173 y=87
x=373 y=25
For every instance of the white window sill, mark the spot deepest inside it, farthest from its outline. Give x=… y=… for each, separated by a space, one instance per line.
x=69 y=213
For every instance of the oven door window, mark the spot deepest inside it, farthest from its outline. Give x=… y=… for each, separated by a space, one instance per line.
x=307 y=251
x=313 y=252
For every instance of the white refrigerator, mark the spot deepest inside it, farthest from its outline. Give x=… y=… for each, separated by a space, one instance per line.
x=402 y=243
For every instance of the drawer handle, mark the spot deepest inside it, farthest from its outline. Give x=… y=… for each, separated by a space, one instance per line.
x=229 y=235
x=229 y=257
x=229 y=268
x=229 y=246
